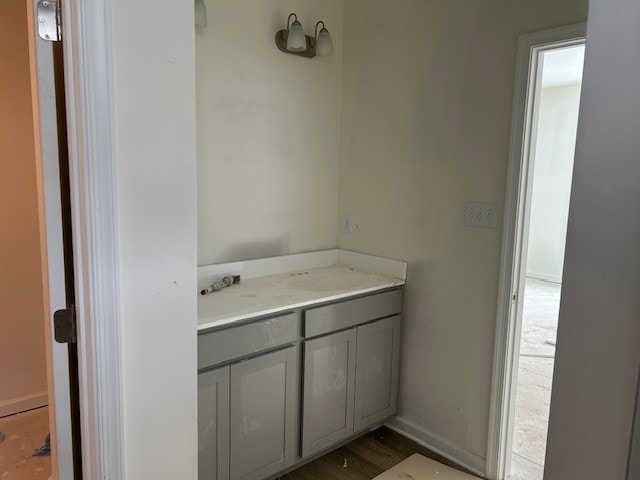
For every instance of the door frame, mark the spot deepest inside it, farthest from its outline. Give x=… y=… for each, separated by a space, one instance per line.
x=86 y=28
x=54 y=288
x=514 y=238
x=92 y=182
x=633 y=469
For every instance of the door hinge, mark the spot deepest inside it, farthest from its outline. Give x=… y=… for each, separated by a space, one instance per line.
x=64 y=325
x=50 y=20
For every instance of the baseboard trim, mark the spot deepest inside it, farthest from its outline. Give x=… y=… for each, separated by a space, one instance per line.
x=545 y=277
x=22 y=404
x=419 y=434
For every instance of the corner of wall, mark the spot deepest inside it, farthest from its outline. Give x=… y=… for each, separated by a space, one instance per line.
x=438 y=444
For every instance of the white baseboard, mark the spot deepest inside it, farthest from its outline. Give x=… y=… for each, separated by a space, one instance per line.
x=22 y=404
x=546 y=277
x=434 y=442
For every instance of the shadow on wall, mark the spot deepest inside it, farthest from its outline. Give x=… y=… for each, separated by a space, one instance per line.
x=417 y=296
x=272 y=247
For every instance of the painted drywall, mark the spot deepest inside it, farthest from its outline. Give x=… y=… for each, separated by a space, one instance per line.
x=22 y=349
x=427 y=97
x=553 y=166
x=154 y=96
x=598 y=352
x=268 y=132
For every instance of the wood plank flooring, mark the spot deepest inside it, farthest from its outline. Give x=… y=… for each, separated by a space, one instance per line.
x=366 y=457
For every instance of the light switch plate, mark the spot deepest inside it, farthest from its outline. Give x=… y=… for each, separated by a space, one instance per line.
x=481 y=215
x=347 y=223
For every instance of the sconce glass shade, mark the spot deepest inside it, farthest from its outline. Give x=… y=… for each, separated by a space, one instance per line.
x=201 y=14
x=296 y=40
x=324 y=44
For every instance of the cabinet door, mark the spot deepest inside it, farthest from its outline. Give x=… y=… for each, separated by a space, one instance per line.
x=213 y=425
x=263 y=414
x=329 y=383
x=377 y=372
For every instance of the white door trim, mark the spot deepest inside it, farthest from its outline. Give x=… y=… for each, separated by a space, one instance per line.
x=514 y=234
x=633 y=469
x=91 y=142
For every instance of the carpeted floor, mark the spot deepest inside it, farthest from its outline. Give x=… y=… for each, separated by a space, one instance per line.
x=535 y=375
x=24 y=433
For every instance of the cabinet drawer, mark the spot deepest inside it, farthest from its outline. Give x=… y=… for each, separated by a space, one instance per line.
x=337 y=316
x=222 y=346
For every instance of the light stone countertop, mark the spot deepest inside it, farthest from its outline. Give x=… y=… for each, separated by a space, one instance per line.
x=270 y=294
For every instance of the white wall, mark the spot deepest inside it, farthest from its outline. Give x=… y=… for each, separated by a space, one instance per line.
x=553 y=166
x=598 y=353
x=426 y=112
x=154 y=82
x=268 y=132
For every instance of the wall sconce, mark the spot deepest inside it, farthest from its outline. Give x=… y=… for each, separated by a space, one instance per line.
x=294 y=41
x=201 y=14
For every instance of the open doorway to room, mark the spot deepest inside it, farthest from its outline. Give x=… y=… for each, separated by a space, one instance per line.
x=556 y=106
x=24 y=398
x=39 y=407
x=538 y=190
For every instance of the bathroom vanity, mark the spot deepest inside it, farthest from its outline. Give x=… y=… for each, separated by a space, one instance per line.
x=295 y=360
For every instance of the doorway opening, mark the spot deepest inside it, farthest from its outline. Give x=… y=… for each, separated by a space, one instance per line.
x=556 y=103
x=39 y=407
x=24 y=383
x=543 y=139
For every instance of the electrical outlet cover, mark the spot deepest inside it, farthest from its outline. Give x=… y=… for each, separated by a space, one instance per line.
x=347 y=223
x=481 y=215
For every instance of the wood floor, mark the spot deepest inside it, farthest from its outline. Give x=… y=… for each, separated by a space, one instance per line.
x=366 y=457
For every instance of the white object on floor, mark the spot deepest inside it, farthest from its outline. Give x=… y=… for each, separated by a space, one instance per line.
x=418 y=467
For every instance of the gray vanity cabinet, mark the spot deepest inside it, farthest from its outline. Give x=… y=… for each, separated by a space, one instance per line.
x=378 y=355
x=213 y=424
x=328 y=392
x=263 y=414
x=256 y=419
